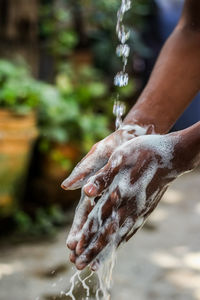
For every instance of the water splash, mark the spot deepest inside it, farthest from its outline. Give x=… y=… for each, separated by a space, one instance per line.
x=73 y=279
x=106 y=264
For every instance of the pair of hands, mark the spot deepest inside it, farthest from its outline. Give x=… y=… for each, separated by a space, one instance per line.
x=123 y=177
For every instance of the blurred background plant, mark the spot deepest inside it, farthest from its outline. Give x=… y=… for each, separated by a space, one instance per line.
x=56 y=90
x=89 y=26
x=19 y=92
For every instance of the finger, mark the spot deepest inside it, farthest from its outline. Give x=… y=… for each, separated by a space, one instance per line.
x=89 y=165
x=109 y=233
x=137 y=225
x=72 y=257
x=129 y=222
x=98 y=244
x=120 y=220
x=155 y=198
x=103 y=210
x=99 y=182
x=95 y=265
x=139 y=222
x=82 y=211
x=89 y=231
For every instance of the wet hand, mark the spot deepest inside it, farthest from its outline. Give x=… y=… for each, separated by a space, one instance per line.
x=100 y=153
x=94 y=161
x=126 y=191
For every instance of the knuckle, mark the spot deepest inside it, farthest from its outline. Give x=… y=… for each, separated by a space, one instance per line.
x=95 y=147
x=116 y=159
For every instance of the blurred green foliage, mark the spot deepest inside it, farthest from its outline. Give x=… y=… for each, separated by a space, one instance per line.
x=68 y=111
x=71 y=111
x=45 y=222
x=102 y=15
x=54 y=28
x=90 y=23
x=19 y=91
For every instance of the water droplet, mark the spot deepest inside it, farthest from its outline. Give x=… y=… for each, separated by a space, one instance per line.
x=121 y=79
x=123 y=50
x=126 y=5
x=123 y=34
x=118 y=110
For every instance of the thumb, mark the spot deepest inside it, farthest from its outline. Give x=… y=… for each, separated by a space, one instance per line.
x=88 y=166
x=99 y=182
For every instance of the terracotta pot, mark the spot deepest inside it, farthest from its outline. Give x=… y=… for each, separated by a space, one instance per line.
x=47 y=186
x=17 y=134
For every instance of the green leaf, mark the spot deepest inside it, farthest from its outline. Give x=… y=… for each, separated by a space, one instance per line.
x=97 y=89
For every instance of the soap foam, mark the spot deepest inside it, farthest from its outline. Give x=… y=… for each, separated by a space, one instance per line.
x=100 y=153
x=161 y=149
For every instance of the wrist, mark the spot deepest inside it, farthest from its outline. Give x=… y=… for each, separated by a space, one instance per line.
x=138 y=128
x=147 y=114
x=189 y=149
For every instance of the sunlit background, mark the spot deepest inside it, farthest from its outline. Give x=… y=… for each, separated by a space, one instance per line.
x=57 y=64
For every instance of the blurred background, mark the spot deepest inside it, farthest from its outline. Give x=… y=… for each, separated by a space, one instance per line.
x=57 y=64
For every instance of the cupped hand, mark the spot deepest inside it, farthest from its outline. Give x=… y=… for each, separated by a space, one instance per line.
x=125 y=191
x=94 y=161
x=100 y=153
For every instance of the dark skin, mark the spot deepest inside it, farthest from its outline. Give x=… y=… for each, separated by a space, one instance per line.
x=174 y=82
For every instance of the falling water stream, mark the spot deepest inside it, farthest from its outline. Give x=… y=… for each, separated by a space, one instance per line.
x=108 y=255
x=122 y=50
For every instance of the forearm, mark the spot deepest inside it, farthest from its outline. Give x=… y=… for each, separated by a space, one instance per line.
x=174 y=82
x=190 y=146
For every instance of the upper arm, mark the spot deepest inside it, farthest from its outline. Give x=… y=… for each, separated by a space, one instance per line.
x=191 y=14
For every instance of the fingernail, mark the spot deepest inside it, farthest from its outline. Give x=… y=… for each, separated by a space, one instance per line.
x=95 y=266
x=72 y=184
x=68 y=184
x=90 y=190
x=82 y=259
x=65 y=184
x=72 y=257
x=80 y=266
x=71 y=243
x=79 y=250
